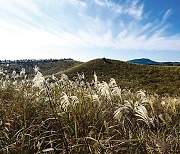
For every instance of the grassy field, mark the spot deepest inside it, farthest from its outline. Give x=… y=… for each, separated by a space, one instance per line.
x=59 y=115
x=156 y=79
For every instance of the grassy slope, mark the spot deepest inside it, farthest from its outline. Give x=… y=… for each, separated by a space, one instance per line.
x=158 y=79
x=46 y=67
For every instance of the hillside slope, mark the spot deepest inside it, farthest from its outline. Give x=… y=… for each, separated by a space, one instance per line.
x=47 y=67
x=158 y=79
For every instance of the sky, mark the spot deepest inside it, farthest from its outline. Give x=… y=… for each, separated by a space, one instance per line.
x=88 y=29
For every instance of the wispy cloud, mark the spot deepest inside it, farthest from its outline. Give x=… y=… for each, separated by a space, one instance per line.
x=135 y=10
x=105 y=3
x=130 y=8
x=167 y=14
x=40 y=26
x=78 y=3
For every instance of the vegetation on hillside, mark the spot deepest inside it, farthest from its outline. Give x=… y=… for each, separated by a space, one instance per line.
x=63 y=116
x=47 y=66
x=156 y=79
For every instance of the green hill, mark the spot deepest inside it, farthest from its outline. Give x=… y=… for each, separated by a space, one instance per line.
x=158 y=79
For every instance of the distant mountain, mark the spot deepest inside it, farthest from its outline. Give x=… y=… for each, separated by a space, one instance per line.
x=146 y=61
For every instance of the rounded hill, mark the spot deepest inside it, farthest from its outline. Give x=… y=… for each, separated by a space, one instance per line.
x=158 y=79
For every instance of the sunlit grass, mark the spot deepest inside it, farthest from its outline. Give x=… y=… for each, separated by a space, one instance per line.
x=58 y=115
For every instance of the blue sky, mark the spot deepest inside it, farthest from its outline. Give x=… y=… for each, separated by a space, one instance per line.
x=88 y=29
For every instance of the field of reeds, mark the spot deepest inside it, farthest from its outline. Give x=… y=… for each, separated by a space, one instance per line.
x=57 y=115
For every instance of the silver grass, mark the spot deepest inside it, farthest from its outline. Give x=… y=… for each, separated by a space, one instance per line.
x=15 y=83
x=120 y=111
x=23 y=72
x=74 y=100
x=142 y=114
x=142 y=96
x=13 y=75
x=125 y=108
x=54 y=78
x=38 y=81
x=104 y=90
x=95 y=80
x=95 y=98
x=64 y=77
x=64 y=101
x=2 y=72
x=80 y=76
x=112 y=83
x=36 y=69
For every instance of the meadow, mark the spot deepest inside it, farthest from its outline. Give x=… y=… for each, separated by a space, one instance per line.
x=60 y=115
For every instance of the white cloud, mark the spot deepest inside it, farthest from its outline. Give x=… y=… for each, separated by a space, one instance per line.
x=101 y=2
x=135 y=10
x=78 y=3
x=58 y=34
x=167 y=14
x=131 y=8
x=113 y=6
